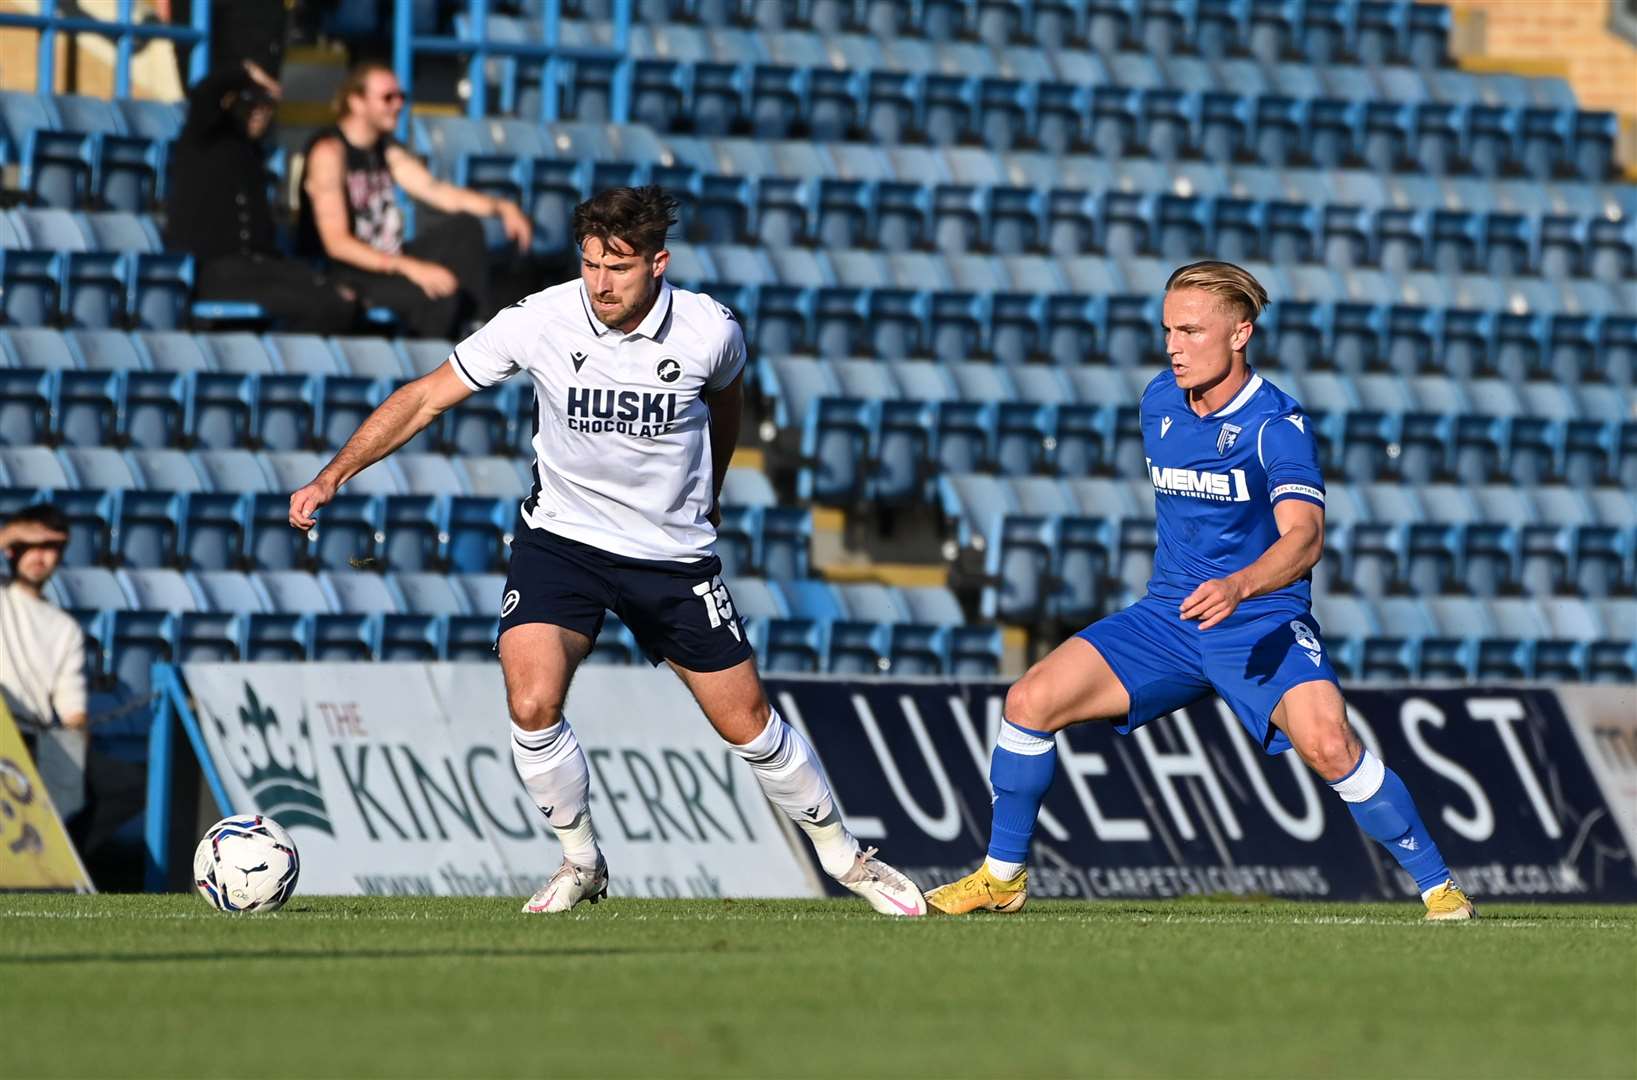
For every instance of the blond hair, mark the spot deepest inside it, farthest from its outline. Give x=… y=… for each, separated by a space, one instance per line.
x=353 y=85
x=1233 y=285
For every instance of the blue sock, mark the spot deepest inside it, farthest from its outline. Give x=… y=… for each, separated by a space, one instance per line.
x=1020 y=770
x=1382 y=806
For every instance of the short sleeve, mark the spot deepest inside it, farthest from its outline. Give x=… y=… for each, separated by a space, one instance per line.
x=730 y=360
x=496 y=352
x=1290 y=455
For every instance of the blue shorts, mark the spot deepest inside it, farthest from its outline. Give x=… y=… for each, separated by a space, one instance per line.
x=1249 y=659
x=677 y=611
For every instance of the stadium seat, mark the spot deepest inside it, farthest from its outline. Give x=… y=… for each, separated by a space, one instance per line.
x=55 y=160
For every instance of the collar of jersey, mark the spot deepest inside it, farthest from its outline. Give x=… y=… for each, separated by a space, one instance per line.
x=1246 y=392
x=648 y=328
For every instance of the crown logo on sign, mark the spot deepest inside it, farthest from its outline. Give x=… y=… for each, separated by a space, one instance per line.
x=279 y=770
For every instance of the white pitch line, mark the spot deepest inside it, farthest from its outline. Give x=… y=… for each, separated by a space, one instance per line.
x=1084 y=919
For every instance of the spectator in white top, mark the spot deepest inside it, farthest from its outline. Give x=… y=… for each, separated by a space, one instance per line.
x=42 y=650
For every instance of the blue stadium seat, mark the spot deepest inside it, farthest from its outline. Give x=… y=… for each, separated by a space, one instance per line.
x=33 y=467
x=1614 y=658
x=166 y=470
x=472 y=636
x=370 y=358
x=265 y=631
x=158 y=121
x=366 y=604
x=101 y=467
x=152 y=631
x=127 y=166
x=55 y=162
x=818 y=612
x=88 y=589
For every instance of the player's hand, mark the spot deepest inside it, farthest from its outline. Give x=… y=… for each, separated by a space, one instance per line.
x=304 y=504
x=1212 y=602
x=519 y=229
x=433 y=280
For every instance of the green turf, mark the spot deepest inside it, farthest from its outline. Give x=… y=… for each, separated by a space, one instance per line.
x=162 y=986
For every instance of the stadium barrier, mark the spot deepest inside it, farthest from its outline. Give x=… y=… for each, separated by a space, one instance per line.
x=397 y=779
x=35 y=850
x=394 y=778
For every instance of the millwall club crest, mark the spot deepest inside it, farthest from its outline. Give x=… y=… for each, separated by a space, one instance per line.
x=669 y=370
x=1226 y=438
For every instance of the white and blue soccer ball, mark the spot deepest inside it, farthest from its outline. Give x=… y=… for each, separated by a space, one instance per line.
x=246 y=863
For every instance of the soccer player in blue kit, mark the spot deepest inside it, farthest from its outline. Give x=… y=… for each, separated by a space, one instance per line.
x=1239 y=510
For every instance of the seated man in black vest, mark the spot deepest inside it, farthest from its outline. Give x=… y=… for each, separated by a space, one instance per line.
x=350 y=215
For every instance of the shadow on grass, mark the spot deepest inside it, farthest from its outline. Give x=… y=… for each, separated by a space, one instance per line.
x=236 y=955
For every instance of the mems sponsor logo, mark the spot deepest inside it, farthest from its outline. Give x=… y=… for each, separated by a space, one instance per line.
x=1227 y=486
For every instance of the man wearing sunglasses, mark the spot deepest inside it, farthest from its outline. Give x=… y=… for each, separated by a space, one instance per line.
x=350 y=215
x=42 y=649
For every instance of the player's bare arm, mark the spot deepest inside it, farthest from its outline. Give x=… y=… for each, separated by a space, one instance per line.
x=394 y=422
x=726 y=410
x=1297 y=551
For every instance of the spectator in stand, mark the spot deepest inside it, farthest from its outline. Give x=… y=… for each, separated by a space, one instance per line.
x=42 y=650
x=350 y=215
x=218 y=210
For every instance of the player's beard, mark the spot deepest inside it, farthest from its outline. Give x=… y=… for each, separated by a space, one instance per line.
x=622 y=314
x=614 y=318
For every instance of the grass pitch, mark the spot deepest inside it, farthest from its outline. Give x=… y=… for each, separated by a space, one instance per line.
x=162 y=986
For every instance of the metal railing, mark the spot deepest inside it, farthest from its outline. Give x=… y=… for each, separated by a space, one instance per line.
x=476 y=46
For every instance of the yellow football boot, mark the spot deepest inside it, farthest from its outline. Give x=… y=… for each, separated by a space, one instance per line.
x=980 y=891
x=1446 y=902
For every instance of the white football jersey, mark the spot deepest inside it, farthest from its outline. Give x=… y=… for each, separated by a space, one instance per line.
x=622 y=455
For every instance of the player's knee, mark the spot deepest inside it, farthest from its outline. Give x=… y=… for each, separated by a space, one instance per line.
x=534 y=711
x=744 y=725
x=1328 y=751
x=1023 y=706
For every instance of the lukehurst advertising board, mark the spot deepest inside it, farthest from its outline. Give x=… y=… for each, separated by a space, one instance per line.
x=1189 y=805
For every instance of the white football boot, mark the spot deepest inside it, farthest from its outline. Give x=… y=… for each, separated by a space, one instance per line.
x=888 y=891
x=567 y=887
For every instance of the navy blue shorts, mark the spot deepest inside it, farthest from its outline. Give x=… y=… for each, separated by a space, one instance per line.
x=679 y=611
x=1248 y=659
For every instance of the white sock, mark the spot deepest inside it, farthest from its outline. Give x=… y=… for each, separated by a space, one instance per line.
x=553 y=767
x=790 y=776
x=1002 y=869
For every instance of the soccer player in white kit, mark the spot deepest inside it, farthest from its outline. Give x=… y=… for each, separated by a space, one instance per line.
x=638 y=387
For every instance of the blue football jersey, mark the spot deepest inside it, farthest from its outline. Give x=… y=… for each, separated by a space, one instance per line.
x=1216 y=479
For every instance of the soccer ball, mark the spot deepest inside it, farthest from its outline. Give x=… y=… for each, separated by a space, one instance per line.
x=246 y=864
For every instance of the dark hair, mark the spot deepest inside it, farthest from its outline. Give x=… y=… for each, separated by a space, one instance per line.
x=640 y=217
x=43 y=514
x=358 y=78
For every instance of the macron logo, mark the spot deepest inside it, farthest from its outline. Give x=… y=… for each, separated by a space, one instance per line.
x=1300 y=424
x=1165 y=425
